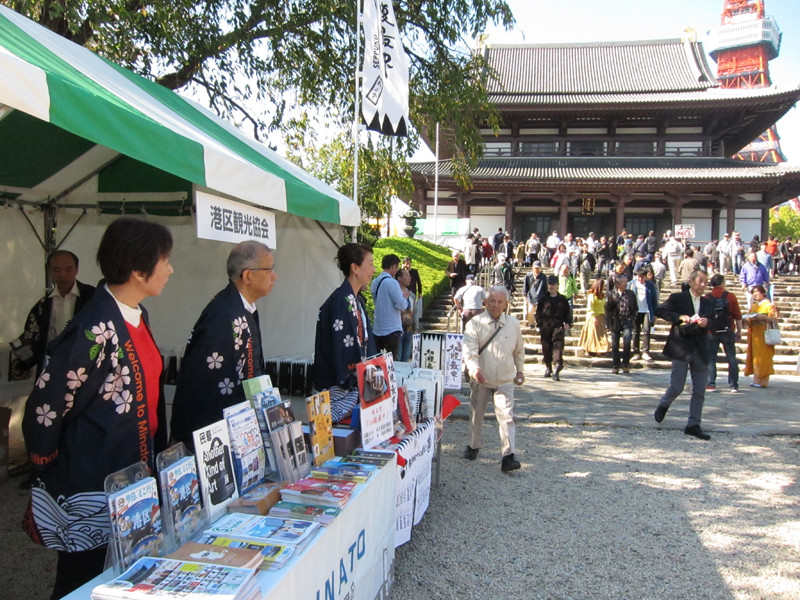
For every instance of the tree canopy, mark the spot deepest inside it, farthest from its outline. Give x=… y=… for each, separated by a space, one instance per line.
x=785 y=222
x=261 y=60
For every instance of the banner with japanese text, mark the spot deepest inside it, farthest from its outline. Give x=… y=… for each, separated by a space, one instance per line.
x=229 y=221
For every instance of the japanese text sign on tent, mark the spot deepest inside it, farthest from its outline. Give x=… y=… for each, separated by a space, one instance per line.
x=228 y=221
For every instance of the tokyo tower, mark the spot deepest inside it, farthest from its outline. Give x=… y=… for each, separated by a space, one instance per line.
x=742 y=47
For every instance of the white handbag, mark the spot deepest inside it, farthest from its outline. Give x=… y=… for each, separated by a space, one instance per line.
x=772 y=335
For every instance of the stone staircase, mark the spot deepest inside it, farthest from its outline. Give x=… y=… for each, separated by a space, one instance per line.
x=439 y=317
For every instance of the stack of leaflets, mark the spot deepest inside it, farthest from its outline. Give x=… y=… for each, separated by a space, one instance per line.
x=319 y=492
x=260 y=401
x=371 y=457
x=249 y=457
x=228 y=556
x=343 y=471
x=217 y=479
x=166 y=578
x=259 y=500
x=320 y=426
x=273 y=555
x=288 y=441
x=323 y=515
x=136 y=528
x=274 y=530
x=180 y=488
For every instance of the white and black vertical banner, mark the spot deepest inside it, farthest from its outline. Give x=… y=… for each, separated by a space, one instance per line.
x=384 y=83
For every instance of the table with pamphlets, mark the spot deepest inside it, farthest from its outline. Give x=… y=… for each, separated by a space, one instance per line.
x=351 y=558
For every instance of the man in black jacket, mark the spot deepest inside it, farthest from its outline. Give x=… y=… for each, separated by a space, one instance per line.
x=534 y=288
x=50 y=315
x=687 y=346
x=554 y=318
x=621 y=309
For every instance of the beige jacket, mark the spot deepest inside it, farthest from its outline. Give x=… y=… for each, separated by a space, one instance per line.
x=505 y=354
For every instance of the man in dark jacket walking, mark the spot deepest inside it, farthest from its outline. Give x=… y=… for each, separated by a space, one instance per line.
x=621 y=310
x=554 y=318
x=687 y=346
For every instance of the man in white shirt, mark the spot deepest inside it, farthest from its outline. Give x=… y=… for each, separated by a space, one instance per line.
x=672 y=253
x=725 y=248
x=50 y=315
x=494 y=353
x=469 y=300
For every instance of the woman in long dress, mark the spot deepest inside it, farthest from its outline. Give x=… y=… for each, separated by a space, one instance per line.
x=759 y=353
x=593 y=334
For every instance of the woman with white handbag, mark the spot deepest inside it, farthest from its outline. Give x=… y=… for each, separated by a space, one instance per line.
x=762 y=325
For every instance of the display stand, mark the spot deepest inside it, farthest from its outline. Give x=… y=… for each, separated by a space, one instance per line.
x=184 y=514
x=136 y=524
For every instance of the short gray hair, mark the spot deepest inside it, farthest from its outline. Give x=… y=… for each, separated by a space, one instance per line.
x=245 y=255
x=500 y=290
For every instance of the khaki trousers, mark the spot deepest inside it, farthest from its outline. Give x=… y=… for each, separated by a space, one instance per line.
x=503 y=397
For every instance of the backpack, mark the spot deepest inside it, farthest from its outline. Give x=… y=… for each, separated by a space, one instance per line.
x=721 y=321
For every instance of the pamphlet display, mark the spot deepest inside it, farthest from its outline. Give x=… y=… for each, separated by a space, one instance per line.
x=136 y=526
x=249 y=458
x=183 y=511
x=215 y=465
x=320 y=426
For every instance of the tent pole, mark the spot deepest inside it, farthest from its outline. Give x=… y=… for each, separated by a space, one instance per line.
x=436 y=187
x=357 y=104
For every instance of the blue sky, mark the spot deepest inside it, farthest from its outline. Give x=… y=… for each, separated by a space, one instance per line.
x=540 y=22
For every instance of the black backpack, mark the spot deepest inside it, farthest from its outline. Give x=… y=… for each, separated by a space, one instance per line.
x=720 y=322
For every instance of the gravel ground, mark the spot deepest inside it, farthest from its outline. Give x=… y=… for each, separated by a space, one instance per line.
x=609 y=512
x=610 y=507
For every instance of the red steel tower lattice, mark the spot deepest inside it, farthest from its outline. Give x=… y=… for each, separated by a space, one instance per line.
x=742 y=47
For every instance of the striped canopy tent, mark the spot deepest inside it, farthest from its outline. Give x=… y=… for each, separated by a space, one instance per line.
x=78 y=129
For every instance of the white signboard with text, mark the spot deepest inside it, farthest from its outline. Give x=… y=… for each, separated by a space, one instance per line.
x=228 y=221
x=684 y=231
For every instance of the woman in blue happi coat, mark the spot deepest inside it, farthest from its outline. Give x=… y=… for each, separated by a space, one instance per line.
x=344 y=334
x=98 y=405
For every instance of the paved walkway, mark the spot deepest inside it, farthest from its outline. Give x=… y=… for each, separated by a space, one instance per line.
x=587 y=396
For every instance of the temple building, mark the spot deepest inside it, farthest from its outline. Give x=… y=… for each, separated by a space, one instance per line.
x=604 y=136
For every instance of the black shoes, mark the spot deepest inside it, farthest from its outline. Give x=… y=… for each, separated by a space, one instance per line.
x=548 y=372
x=509 y=463
x=697 y=432
x=471 y=453
x=556 y=372
x=661 y=412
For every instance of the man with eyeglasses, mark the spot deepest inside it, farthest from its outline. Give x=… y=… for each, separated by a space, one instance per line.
x=224 y=347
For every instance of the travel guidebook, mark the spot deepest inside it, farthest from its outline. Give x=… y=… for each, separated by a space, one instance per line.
x=274 y=555
x=166 y=578
x=276 y=530
x=217 y=480
x=248 y=558
x=136 y=527
x=260 y=401
x=180 y=488
x=249 y=458
x=258 y=500
x=309 y=512
x=318 y=491
x=320 y=427
x=343 y=471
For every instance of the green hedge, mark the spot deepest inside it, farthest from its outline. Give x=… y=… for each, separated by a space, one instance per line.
x=427 y=258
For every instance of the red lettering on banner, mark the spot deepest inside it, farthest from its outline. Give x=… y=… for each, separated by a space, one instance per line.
x=251 y=372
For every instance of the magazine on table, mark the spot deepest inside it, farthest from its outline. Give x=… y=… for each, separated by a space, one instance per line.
x=215 y=467
x=166 y=578
x=136 y=527
x=274 y=555
x=319 y=491
x=248 y=558
x=320 y=426
x=249 y=457
x=276 y=530
x=308 y=512
x=180 y=488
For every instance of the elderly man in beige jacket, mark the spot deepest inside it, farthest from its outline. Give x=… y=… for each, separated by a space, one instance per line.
x=494 y=353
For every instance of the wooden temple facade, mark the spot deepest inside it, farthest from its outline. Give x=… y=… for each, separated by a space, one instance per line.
x=605 y=136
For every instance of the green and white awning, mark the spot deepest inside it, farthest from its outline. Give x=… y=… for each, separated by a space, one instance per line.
x=75 y=127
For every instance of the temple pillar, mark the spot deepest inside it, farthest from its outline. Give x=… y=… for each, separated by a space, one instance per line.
x=619 y=211
x=509 y=212
x=731 y=216
x=715 y=212
x=463 y=205
x=563 y=215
